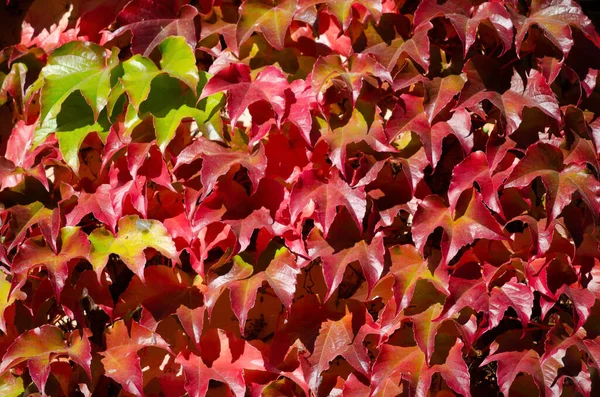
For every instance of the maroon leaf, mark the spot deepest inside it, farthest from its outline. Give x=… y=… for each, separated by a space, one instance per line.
x=313 y=197
x=555 y=18
x=474 y=223
x=151 y=21
x=474 y=169
x=546 y=161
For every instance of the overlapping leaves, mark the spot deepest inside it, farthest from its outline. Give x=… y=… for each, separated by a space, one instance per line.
x=301 y=198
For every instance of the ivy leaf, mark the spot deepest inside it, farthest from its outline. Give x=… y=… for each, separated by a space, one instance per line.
x=355 y=131
x=34 y=252
x=151 y=21
x=168 y=104
x=192 y=321
x=273 y=20
x=177 y=60
x=512 y=294
x=342 y=9
x=459 y=125
x=40 y=346
x=460 y=228
x=352 y=73
x=425 y=329
x=440 y=91
x=11 y=386
x=500 y=19
x=410 y=362
x=244 y=228
x=465 y=292
x=555 y=18
x=408 y=267
x=75 y=66
x=269 y=86
x=474 y=169
x=408 y=115
x=455 y=11
x=121 y=360
x=8 y=296
x=218 y=160
x=389 y=53
x=26 y=216
x=546 y=161
x=236 y=357
x=159 y=281
x=280 y=274
x=535 y=94
x=98 y=204
x=369 y=255
x=510 y=364
x=325 y=198
x=336 y=338
x=133 y=237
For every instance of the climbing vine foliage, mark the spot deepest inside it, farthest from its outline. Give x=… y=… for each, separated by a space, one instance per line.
x=299 y=198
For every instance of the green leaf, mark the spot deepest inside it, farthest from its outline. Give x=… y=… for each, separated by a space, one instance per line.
x=11 y=386
x=139 y=72
x=179 y=61
x=76 y=66
x=73 y=124
x=133 y=237
x=170 y=104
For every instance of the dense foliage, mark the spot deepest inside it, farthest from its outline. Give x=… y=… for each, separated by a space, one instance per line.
x=298 y=197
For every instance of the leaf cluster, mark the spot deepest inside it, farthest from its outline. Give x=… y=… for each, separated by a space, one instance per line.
x=300 y=198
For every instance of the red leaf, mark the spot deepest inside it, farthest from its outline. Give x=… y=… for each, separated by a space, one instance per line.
x=546 y=161
x=388 y=53
x=511 y=364
x=459 y=230
x=369 y=255
x=498 y=17
x=474 y=169
x=272 y=21
x=352 y=73
x=410 y=362
x=408 y=115
x=535 y=94
x=555 y=18
x=99 y=204
x=33 y=253
x=269 y=86
x=151 y=21
x=312 y=196
x=236 y=356
x=218 y=160
x=455 y=11
x=408 y=267
x=40 y=346
x=440 y=92
x=280 y=274
x=120 y=359
x=516 y=295
x=336 y=338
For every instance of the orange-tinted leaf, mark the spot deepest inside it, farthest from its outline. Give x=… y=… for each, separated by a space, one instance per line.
x=120 y=359
x=235 y=357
